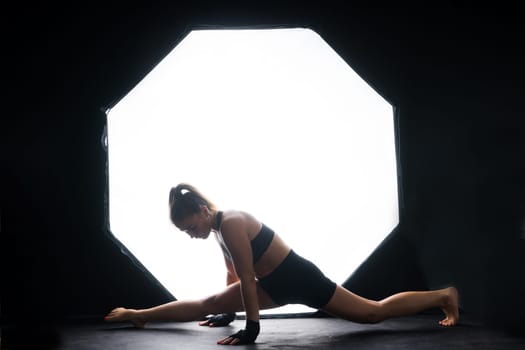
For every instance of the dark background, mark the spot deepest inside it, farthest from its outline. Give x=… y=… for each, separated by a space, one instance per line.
x=454 y=74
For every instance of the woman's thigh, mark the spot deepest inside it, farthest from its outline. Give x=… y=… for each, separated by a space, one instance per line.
x=352 y=307
x=230 y=299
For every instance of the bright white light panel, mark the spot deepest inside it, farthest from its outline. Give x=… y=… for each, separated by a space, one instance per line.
x=272 y=122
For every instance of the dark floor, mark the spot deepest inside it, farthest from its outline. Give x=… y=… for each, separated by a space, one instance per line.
x=415 y=332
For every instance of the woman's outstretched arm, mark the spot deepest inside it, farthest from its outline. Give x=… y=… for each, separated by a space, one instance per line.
x=237 y=241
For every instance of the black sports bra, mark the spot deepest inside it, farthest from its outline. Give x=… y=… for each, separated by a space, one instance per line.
x=259 y=244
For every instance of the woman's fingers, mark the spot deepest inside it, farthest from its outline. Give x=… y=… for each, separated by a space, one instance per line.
x=205 y=323
x=228 y=341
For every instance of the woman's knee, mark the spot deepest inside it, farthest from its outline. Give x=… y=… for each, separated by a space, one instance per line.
x=212 y=304
x=373 y=313
x=228 y=301
x=376 y=313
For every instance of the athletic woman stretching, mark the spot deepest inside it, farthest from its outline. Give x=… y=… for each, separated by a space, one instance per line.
x=263 y=273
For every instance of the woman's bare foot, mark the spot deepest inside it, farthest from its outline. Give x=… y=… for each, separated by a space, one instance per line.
x=121 y=314
x=450 y=307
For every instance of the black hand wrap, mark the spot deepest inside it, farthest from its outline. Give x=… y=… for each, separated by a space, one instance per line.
x=221 y=320
x=249 y=334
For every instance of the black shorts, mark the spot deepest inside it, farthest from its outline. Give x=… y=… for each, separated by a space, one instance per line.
x=298 y=281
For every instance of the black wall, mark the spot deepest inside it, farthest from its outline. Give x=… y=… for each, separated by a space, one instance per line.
x=454 y=73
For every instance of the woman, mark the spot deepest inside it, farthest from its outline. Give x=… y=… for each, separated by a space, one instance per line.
x=263 y=273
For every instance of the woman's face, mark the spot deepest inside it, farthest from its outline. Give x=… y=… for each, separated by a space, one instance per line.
x=196 y=225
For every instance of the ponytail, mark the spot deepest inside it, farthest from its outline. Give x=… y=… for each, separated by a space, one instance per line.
x=186 y=200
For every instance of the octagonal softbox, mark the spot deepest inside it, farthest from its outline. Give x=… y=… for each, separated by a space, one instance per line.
x=269 y=121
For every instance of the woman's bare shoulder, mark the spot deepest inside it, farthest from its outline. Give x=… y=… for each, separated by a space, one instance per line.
x=240 y=219
x=234 y=215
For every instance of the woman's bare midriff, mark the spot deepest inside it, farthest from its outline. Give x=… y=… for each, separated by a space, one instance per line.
x=272 y=257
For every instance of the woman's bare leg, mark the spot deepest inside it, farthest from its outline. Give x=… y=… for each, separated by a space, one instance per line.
x=229 y=300
x=352 y=307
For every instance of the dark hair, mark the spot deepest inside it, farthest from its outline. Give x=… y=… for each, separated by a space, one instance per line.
x=186 y=200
